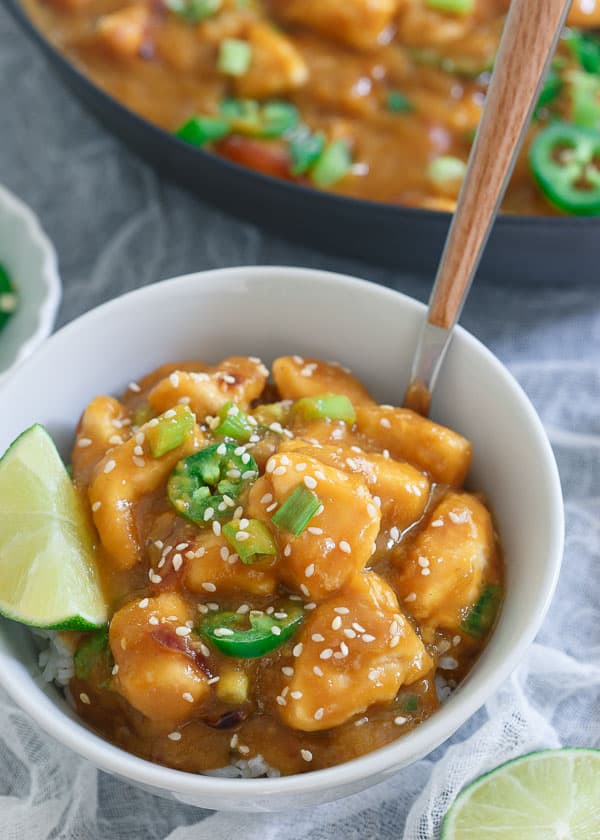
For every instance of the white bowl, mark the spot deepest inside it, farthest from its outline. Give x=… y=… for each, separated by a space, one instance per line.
x=268 y=312
x=30 y=259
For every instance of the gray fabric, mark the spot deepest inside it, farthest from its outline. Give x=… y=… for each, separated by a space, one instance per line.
x=117 y=226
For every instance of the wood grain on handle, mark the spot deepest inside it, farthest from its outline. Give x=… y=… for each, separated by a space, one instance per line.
x=532 y=29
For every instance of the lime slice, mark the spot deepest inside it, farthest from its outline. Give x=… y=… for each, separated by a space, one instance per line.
x=547 y=795
x=48 y=576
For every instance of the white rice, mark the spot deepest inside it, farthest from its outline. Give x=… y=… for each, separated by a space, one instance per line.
x=56 y=664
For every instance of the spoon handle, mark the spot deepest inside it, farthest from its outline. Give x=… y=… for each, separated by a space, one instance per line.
x=530 y=36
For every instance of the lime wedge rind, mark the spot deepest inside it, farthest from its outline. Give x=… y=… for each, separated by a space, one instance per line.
x=556 y=796
x=48 y=577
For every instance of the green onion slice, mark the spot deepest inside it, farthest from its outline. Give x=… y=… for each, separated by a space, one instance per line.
x=194 y=10
x=252 y=541
x=333 y=164
x=201 y=130
x=446 y=168
x=480 y=617
x=455 y=7
x=328 y=406
x=8 y=298
x=234 y=423
x=305 y=150
x=398 y=103
x=297 y=510
x=170 y=430
x=95 y=645
x=235 y=57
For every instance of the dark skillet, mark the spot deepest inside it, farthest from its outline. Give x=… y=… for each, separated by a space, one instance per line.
x=524 y=248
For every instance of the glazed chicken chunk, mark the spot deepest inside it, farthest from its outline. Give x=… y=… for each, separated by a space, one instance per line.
x=356 y=649
x=447 y=565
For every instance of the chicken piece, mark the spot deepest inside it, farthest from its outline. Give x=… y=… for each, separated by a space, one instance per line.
x=357 y=649
x=363 y=24
x=121 y=478
x=125 y=31
x=402 y=490
x=435 y=449
x=585 y=14
x=220 y=566
x=239 y=379
x=101 y=426
x=296 y=377
x=448 y=563
x=337 y=542
x=276 y=67
x=161 y=673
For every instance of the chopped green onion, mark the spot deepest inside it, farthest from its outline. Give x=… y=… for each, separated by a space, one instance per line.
x=201 y=130
x=194 y=10
x=88 y=652
x=584 y=89
x=234 y=423
x=251 y=542
x=326 y=407
x=278 y=118
x=142 y=414
x=8 y=298
x=243 y=115
x=334 y=163
x=170 y=430
x=480 y=617
x=272 y=413
x=446 y=168
x=585 y=47
x=235 y=57
x=305 y=150
x=297 y=511
x=411 y=704
x=455 y=7
x=398 y=103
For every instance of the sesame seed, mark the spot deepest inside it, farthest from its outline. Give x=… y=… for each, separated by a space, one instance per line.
x=115 y=670
x=385 y=423
x=204 y=650
x=138 y=450
x=316 y=531
x=336 y=623
x=168 y=415
x=319 y=510
x=372 y=511
x=304 y=589
x=139 y=462
x=189 y=698
x=209 y=587
x=153 y=620
x=223 y=631
x=174 y=380
x=281 y=700
x=326 y=654
x=287 y=671
x=270 y=465
x=394 y=641
x=177 y=562
x=84 y=442
x=221 y=449
x=437 y=523
x=456 y=640
x=310 y=606
x=84 y=698
x=400 y=720
x=109 y=466
x=242 y=536
x=280 y=615
x=298 y=359
x=243 y=749
x=275 y=630
x=366 y=637
x=306 y=755
x=317 y=671
x=285 y=691
x=272 y=507
x=133 y=386
x=423 y=562
x=412 y=596
x=358 y=627
x=208 y=514
x=297 y=651
x=316 y=637
x=344 y=546
x=202 y=608
x=279 y=471
x=377 y=501
x=266 y=499
x=300 y=467
x=243 y=609
x=341 y=610
x=174 y=736
x=216 y=526
x=213 y=680
x=287 y=550
x=318 y=715
x=96 y=506
x=212 y=606
x=374 y=674
x=183 y=631
x=224 y=553
x=425 y=572
x=361 y=721
x=238 y=512
x=310 y=570
x=394 y=533
x=349 y=634
x=234 y=741
x=344 y=648
x=309 y=482
x=448 y=663
x=233 y=474
x=155 y=578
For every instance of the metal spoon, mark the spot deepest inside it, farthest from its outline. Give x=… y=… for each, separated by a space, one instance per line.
x=530 y=37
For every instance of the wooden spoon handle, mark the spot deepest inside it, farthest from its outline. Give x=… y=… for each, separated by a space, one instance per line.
x=530 y=35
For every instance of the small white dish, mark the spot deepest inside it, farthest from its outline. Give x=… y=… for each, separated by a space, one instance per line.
x=269 y=312
x=30 y=259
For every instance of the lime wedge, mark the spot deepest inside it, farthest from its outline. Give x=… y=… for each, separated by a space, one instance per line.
x=546 y=795
x=48 y=576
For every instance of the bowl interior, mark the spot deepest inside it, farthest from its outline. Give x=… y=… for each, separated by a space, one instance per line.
x=269 y=312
